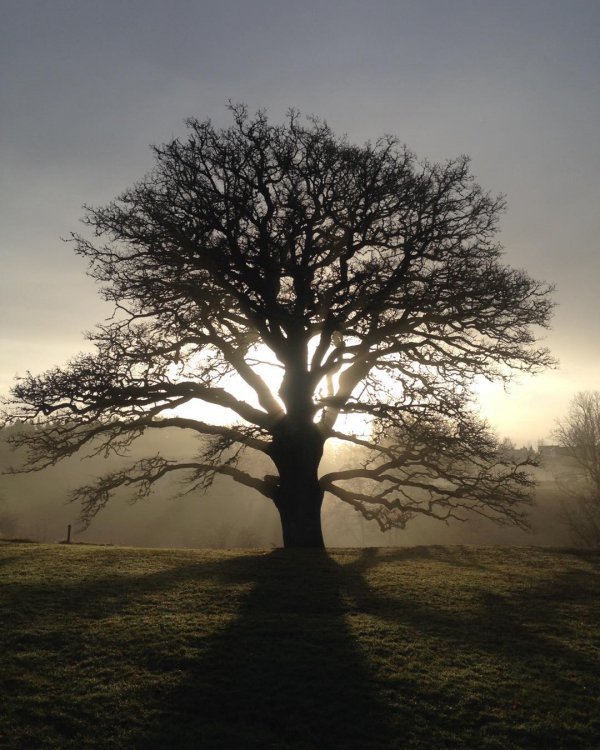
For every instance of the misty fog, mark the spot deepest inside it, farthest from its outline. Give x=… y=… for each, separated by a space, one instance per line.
x=34 y=506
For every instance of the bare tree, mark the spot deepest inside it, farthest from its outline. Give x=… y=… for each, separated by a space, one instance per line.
x=374 y=281
x=579 y=434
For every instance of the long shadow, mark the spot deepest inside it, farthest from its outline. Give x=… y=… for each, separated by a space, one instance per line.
x=283 y=671
x=518 y=626
x=286 y=673
x=282 y=668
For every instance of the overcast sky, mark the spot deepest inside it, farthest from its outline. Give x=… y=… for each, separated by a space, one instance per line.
x=86 y=86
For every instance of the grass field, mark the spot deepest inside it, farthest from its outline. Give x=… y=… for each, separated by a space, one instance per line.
x=429 y=647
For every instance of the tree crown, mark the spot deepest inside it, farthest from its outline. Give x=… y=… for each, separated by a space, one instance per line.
x=374 y=279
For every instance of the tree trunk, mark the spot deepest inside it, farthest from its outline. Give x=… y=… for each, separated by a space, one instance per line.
x=296 y=450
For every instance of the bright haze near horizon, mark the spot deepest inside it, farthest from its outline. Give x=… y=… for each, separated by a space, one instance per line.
x=87 y=86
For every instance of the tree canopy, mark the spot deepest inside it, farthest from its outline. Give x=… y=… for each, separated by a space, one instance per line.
x=374 y=281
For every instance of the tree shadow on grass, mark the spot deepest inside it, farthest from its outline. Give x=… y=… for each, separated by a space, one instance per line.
x=272 y=663
x=286 y=673
x=259 y=651
x=534 y=642
x=517 y=624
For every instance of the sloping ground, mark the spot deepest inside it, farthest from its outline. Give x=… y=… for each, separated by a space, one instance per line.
x=427 y=647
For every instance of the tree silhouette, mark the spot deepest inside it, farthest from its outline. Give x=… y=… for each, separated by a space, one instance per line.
x=579 y=434
x=372 y=279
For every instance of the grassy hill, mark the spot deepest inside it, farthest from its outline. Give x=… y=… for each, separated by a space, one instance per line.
x=427 y=647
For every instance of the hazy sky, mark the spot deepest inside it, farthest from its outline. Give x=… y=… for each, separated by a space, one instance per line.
x=87 y=85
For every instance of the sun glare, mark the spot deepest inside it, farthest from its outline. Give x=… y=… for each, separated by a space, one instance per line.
x=493 y=402
x=264 y=363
